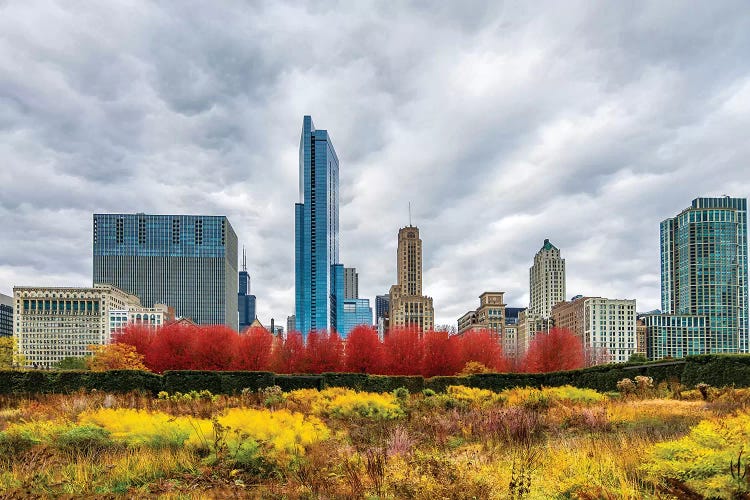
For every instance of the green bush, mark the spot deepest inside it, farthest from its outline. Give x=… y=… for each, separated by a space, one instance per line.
x=86 y=439
x=13 y=444
x=702 y=458
x=402 y=393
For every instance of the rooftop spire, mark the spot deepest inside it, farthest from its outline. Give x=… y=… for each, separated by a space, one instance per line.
x=244 y=259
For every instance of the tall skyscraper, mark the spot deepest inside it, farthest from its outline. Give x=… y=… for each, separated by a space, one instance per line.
x=188 y=262
x=319 y=277
x=704 y=293
x=351 y=283
x=245 y=300
x=546 y=280
x=6 y=315
x=408 y=307
x=291 y=323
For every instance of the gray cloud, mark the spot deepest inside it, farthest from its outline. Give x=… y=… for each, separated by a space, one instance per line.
x=502 y=123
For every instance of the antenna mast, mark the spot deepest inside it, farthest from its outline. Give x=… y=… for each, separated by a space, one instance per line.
x=244 y=259
x=409 y=214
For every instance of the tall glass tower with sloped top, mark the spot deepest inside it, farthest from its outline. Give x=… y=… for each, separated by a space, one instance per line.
x=319 y=277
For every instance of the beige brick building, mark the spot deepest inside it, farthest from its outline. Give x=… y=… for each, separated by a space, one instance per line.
x=490 y=315
x=408 y=307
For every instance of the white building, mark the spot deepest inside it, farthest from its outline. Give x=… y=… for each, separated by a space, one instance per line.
x=52 y=323
x=153 y=317
x=607 y=327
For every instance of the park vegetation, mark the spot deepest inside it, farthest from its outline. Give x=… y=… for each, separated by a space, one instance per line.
x=645 y=440
x=402 y=352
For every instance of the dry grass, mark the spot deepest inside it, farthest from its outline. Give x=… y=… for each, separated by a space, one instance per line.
x=560 y=443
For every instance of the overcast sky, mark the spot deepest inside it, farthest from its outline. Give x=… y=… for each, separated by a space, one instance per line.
x=503 y=123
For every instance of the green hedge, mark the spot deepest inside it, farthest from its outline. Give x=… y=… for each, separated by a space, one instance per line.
x=715 y=369
x=294 y=382
x=65 y=382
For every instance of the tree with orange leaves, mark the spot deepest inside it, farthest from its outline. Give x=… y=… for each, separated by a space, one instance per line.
x=115 y=356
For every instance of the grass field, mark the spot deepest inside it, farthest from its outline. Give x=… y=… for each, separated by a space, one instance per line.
x=337 y=443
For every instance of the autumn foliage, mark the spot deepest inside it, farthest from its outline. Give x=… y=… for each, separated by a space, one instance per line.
x=554 y=351
x=404 y=351
x=115 y=357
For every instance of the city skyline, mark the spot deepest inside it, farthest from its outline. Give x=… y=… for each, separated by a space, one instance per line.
x=645 y=112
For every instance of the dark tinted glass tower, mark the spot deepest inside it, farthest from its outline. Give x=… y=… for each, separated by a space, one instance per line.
x=245 y=301
x=188 y=262
x=319 y=277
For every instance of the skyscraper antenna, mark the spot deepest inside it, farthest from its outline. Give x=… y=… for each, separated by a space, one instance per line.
x=244 y=259
x=409 y=214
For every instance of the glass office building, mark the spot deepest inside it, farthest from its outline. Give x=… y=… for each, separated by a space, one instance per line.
x=319 y=277
x=704 y=290
x=356 y=312
x=188 y=262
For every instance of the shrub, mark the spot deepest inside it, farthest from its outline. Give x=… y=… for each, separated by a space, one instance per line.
x=469 y=396
x=402 y=393
x=626 y=387
x=143 y=428
x=344 y=403
x=472 y=368
x=86 y=439
x=15 y=443
x=701 y=460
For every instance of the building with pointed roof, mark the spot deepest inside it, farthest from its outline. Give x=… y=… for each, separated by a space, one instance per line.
x=245 y=300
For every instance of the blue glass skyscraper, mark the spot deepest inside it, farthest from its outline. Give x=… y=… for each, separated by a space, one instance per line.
x=704 y=291
x=188 y=262
x=319 y=277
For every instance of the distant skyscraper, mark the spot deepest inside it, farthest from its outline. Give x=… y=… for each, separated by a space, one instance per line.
x=382 y=313
x=382 y=306
x=408 y=307
x=6 y=315
x=291 y=323
x=188 y=262
x=319 y=277
x=356 y=312
x=704 y=292
x=351 y=283
x=245 y=300
x=546 y=281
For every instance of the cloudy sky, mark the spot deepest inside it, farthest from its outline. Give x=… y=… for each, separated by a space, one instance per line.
x=503 y=123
